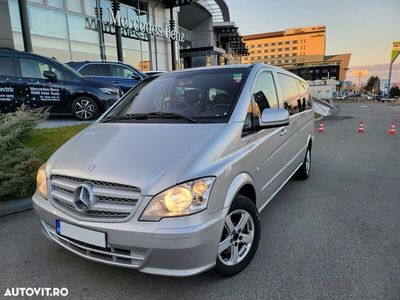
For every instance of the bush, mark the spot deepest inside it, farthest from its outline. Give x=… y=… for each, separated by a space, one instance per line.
x=18 y=164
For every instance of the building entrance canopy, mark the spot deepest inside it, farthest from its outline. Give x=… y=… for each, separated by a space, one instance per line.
x=203 y=51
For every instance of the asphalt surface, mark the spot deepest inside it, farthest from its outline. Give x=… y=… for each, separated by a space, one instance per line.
x=334 y=236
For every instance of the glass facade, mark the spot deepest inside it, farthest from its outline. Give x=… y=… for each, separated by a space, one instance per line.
x=74 y=34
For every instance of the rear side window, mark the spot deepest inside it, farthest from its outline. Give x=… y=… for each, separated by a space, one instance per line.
x=121 y=71
x=96 y=70
x=7 y=66
x=290 y=92
x=305 y=97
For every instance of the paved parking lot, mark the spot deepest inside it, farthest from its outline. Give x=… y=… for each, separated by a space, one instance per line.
x=336 y=235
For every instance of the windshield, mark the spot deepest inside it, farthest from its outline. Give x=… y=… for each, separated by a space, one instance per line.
x=202 y=95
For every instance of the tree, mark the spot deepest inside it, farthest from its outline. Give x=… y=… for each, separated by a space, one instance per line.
x=395 y=91
x=373 y=85
x=18 y=163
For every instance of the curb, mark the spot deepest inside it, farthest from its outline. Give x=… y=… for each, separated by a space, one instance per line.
x=15 y=206
x=318 y=119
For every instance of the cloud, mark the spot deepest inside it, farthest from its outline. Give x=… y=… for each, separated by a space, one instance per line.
x=380 y=70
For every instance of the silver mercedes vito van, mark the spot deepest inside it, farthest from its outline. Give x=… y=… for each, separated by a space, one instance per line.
x=172 y=178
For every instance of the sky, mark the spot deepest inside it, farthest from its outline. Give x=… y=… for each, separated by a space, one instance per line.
x=365 y=28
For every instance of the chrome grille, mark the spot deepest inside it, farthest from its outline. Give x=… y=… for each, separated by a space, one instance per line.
x=112 y=200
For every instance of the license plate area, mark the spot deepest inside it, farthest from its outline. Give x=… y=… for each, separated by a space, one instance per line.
x=91 y=237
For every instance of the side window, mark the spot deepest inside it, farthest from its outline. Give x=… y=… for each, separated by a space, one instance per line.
x=7 y=66
x=264 y=94
x=305 y=97
x=290 y=93
x=32 y=68
x=121 y=71
x=96 y=70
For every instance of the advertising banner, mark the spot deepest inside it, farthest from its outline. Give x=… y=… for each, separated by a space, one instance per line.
x=395 y=51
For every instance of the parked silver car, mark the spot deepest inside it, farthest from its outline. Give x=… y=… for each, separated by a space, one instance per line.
x=172 y=178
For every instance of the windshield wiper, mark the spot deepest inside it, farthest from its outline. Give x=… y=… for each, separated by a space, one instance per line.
x=116 y=118
x=145 y=116
x=161 y=114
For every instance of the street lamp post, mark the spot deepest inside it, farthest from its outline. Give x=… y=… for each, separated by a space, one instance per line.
x=173 y=49
x=118 y=37
x=99 y=15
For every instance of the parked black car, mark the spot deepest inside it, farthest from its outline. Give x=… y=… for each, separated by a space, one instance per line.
x=37 y=81
x=119 y=74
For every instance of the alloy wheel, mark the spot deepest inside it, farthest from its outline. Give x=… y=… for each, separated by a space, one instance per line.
x=237 y=237
x=84 y=109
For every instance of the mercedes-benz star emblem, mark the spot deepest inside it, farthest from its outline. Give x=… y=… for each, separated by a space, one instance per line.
x=83 y=197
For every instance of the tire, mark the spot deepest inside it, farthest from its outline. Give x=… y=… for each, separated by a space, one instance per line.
x=85 y=108
x=304 y=171
x=232 y=239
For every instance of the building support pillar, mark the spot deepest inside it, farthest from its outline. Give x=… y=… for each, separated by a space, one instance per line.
x=26 y=32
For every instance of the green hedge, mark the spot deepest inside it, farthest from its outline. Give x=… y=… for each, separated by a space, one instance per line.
x=18 y=163
x=23 y=148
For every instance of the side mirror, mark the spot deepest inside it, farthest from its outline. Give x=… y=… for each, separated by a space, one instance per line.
x=50 y=75
x=136 y=77
x=276 y=117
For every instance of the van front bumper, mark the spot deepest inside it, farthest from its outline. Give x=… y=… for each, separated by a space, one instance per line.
x=182 y=246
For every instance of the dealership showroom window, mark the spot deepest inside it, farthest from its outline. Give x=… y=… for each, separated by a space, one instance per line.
x=71 y=38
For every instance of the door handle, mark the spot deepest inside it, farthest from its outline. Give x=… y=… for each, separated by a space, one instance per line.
x=283 y=132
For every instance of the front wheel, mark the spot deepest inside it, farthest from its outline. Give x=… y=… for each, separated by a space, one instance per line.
x=240 y=237
x=85 y=108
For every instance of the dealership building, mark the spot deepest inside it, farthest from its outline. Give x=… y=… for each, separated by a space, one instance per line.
x=299 y=50
x=148 y=34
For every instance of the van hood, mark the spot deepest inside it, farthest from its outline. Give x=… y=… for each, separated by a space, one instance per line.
x=151 y=157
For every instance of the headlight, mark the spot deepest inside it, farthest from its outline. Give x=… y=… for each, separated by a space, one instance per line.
x=41 y=182
x=110 y=91
x=181 y=200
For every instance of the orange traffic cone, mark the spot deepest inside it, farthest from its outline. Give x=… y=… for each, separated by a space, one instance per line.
x=321 y=127
x=361 y=128
x=392 y=130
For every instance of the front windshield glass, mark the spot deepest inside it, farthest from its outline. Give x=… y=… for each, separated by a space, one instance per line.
x=202 y=95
